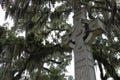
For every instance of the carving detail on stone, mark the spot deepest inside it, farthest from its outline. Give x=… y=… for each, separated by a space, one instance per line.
x=80 y=37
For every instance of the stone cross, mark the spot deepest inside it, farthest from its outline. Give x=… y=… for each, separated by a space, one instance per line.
x=80 y=39
x=82 y=36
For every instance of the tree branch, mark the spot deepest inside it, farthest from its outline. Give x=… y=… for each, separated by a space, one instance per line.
x=54 y=61
x=103 y=8
x=18 y=76
x=109 y=67
x=101 y=70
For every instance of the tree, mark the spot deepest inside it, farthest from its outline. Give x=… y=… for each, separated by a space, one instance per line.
x=16 y=63
x=107 y=56
x=38 y=21
x=41 y=44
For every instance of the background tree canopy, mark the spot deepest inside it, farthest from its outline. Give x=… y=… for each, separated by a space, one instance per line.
x=44 y=22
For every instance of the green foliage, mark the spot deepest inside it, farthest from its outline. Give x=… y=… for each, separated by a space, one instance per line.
x=39 y=46
x=44 y=24
x=107 y=54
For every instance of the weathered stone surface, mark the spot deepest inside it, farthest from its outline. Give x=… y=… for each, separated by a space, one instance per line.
x=82 y=35
x=84 y=63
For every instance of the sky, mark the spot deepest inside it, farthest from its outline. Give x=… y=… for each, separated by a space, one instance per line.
x=2 y=18
x=70 y=68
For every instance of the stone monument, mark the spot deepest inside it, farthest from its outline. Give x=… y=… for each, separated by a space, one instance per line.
x=82 y=36
x=80 y=39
